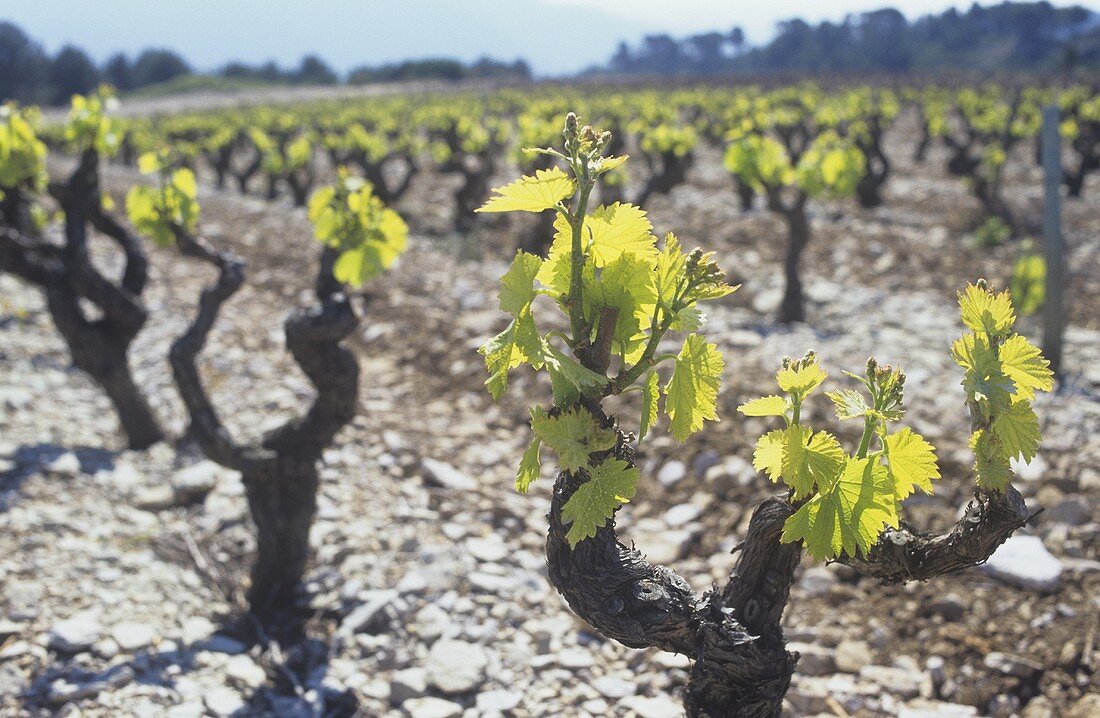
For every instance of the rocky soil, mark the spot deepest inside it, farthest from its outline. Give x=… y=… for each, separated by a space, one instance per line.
x=120 y=572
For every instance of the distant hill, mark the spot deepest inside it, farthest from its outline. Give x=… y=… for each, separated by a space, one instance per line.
x=1009 y=37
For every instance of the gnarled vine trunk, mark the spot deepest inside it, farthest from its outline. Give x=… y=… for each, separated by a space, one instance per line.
x=97 y=345
x=741 y=668
x=280 y=473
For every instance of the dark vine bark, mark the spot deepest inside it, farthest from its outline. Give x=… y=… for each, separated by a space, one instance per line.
x=792 y=308
x=98 y=345
x=667 y=170
x=280 y=472
x=869 y=188
x=733 y=634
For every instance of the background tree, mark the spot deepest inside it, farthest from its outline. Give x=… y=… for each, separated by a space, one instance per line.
x=71 y=72
x=23 y=66
x=155 y=66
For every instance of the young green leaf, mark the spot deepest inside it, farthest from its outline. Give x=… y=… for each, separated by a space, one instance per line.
x=691 y=395
x=610 y=485
x=530 y=466
x=573 y=435
x=911 y=462
x=531 y=194
x=984 y=311
x=765 y=406
x=650 y=396
x=848 y=517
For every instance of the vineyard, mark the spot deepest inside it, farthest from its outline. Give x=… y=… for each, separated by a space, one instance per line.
x=566 y=400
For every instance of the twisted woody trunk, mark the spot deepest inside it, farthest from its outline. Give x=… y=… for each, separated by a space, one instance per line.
x=733 y=634
x=280 y=472
x=98 y=344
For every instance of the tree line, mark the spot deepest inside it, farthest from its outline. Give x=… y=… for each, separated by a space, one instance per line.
x=29 y=74
x=1011 y=36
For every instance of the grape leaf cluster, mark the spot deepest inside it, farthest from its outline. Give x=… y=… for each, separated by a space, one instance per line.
x=622 y=290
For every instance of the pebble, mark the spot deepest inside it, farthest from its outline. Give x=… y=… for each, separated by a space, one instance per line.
x=899 y=681
x=66 y=464
x=614 y=687
x=456 y=667
x=408 y=683
x=1073 y=511
x=498 y=700
x=1024 y=562
x=368 y=614
x=193 y=483
x=431 y=707
x=131 y=636
x=75 y=634
x=671 y=473
x=222 y=702
x=852 y=656
x=245 y=671
x=1012 y=665
x=657 y=707
x=814 y=660
x=446 y=476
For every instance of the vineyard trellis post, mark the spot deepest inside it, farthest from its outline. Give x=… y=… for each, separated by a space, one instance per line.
x=1053 y=241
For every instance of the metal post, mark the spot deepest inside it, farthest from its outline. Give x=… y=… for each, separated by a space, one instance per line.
x=1054 y=247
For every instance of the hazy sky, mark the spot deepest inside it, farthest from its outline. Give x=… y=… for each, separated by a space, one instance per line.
x=554 y=35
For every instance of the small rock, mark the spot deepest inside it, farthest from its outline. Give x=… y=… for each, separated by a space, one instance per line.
x=490 y=549
x=75 y=634
x=1074 y=511
x=681 y=514
x=814 y=660
x=192 y=484
x=817 y=580
x=222 y=702
x=431 y=708
x=1023 y=561
x=614 y=687
x=898 y=681
x=366 y=615
x=949 y=606
x=406 y=684
x=1011 y=665
x=852 y=656
x=498 y=700
x=1088 y=706
x=446 y=476
x=671 y=473
x=658 y=707
x=131 y=636
x=456 y=666
x=155 y=498
x=936 y=709
x=66 y=464
x=8 y=628
x=431 y=622
x=245 y=671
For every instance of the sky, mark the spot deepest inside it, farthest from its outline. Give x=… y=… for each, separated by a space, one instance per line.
x=555 y=36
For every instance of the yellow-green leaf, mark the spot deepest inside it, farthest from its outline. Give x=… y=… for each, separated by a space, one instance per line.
x=530 y=466
x=984 y=311
x=765 y=406
x=531 y=193
x=650 y=396
x=912 y=462
x=849 y=517
x=610 y=485
x=691 y=395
